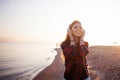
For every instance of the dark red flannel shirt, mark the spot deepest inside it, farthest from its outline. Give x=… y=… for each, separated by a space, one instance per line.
x=75 y=61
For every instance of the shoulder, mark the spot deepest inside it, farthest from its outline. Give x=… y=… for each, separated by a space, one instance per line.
x=65 y=43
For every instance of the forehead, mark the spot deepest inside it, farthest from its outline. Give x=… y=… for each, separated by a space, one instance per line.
x=77 y=24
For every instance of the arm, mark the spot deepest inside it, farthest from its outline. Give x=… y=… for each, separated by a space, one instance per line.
x=69 y=32
x=83 y=44
x=85 y=48
x=82 y=37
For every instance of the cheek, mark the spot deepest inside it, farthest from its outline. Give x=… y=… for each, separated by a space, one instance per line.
x=74 y=33
x=74 y=30
x=77 y=34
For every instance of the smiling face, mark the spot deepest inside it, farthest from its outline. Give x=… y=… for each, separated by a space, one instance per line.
x=76 y=30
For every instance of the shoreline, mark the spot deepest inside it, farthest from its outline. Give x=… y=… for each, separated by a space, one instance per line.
x=102 y=62
x=55 y=71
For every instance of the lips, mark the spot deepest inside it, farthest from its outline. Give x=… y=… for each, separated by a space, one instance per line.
x=78 y=32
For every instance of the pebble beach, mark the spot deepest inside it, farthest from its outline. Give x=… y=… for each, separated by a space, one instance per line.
x=103 y=64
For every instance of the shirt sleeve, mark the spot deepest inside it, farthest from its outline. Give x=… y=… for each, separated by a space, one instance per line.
x=85 y=48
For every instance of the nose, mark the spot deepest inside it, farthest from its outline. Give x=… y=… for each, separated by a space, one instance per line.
x=78 y=28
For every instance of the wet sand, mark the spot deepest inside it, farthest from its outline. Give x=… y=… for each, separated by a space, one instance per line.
x=103 y=64
x=53 y=72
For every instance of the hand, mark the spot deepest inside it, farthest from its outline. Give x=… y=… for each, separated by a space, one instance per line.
x=82 y=37
x=69 y=32
x=81 y=42
x=83 y=34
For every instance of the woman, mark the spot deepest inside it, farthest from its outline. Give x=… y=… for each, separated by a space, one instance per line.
x=75 y=50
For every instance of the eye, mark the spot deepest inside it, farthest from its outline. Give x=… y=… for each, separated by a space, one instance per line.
x=80 y=27
x=76 y=27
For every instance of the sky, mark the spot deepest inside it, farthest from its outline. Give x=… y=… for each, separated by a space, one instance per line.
x=48 y=20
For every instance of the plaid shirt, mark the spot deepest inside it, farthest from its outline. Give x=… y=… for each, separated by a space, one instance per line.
x=75 y=61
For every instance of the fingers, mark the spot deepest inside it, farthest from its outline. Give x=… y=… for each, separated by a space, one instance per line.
x=81 y=42
x=82 y=37
x=83 y=31
x=69 y=32
x=83 y=34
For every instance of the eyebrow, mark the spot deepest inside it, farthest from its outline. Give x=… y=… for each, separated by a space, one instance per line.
x=79 y=26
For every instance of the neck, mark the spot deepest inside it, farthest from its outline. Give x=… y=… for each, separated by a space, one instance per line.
x=76 y=39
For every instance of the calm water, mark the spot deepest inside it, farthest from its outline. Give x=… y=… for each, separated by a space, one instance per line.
x=23 y=61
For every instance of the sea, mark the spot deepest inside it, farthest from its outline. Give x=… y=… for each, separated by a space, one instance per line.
x=24 y=60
